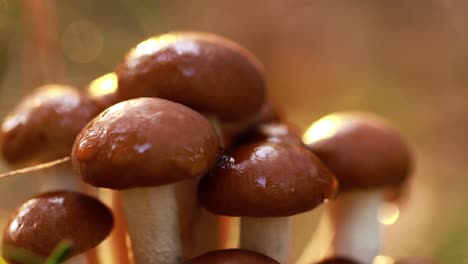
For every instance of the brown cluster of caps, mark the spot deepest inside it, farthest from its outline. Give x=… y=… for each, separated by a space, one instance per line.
x=156 y=130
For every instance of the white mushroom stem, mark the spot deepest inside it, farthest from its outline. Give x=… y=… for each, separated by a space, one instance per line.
x=61 y=177
x=357 y=230
x=270 y=236
x=153 y=224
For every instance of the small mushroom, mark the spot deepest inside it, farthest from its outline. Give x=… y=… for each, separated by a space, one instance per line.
x=231 y=256
x=264 y=183
x=203 y=71
x=367 y=155
x=142 y=147
x=45 y=220
x=43 y=127
x=206 y=72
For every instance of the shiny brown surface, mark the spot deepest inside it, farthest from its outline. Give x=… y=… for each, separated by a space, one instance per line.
x=364 y=151
x=43 y=126
x=273 y=132
x=266 y=179
x=103 y=90
x=145 y=142
x=203 y=71
x=43 y=221
x=414 y=260
x=338 y=260
x=232 y=256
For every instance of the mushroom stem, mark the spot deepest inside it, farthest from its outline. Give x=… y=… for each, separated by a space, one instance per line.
x=61 y=177
x=153 y=224
x=357 y=232
x=269 y=235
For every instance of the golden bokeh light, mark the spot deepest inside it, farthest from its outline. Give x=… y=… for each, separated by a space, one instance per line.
x=104 y=85
x=82 y=41
x=388 y=213
x=323 y=128
x=383 y=260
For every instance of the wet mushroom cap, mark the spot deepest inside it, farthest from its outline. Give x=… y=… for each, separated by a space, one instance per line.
x=413 y=260
x=338 y=260
x=363 y=150
x=232 y=256
x=145 y=142
x=43 y=221
x=43 y=126
x=266 y=179
x=202 y=71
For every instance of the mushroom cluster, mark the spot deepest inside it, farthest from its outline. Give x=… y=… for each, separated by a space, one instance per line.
x=183 y=134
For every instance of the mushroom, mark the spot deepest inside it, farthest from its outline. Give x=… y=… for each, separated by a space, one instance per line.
x=414 y=260
x=42 y=128
x=207 y=73
x=264 y=183
x=338 y=260
x=231 y=256
x=367 y=155
x=203 y=71
x=45 y=220
x=142 y=147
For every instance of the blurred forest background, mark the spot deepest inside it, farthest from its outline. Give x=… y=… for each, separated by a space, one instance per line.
x=404 y=60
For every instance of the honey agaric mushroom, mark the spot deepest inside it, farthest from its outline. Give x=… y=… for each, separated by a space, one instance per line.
x=366 y=154
x=206 y=72
x=142 y=146
x=232 y=256
x=45 y=220
x=203 y=71
x=43 y=127
x=264 y=183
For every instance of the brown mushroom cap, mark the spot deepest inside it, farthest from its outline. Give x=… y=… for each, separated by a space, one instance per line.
x=363 y=150
x=232 y=256
x=265 y=179
x=44 y=125
x=43 y=221
x=203 y=71
x=338 y=260
x=145 y=142
x=413 y=260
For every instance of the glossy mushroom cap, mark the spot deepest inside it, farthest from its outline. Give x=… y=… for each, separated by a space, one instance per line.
x=145 y=142
x=202 y=71
x=42 y=222
x=273 y=132
x=103 y=90
x=44 y=125
x=232 y=256
x=267 y=179
x=413 y=260
x=363 y=150
x=338 y=260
